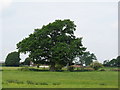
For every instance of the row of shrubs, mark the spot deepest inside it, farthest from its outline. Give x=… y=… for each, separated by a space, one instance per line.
x=115 y=69
x=80 y=69
x=110 y=70
x=30 y=82
x=90 y=69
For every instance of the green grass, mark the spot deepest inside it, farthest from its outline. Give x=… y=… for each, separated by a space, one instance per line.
x=12 y=78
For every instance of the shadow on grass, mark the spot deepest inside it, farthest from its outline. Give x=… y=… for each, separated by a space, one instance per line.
x=30 y=82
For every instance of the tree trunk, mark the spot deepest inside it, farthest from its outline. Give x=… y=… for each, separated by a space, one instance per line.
x=52 y=67
x=69 y=68
x=38 y=65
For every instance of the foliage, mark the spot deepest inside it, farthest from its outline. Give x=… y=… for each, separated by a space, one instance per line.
x=27 y=61
x=118 y=61
x=113 y=62
x=70 y=68
x=106 y=63
x=53 y=44
x=96 y=65
x=24 y=69
x=58 y=67
x=102 y=70
x=87 y=69
x=12 y=59
x=115 y=69
x=86 y=58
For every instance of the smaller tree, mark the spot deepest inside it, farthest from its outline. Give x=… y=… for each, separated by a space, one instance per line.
x=87 y=58
x=96 y=65
x=106 y=63
x=12 y=59
x=112 y=63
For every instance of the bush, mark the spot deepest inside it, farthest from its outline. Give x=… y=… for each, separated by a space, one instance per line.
x=24 y=69
x=12 y=59
x=88 y=69
x=102 y=70
x=96 y=65
x=58 y=67
x=115 y=69
x=70 y=68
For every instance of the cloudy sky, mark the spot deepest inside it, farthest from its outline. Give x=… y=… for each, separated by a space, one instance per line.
x=97 y=23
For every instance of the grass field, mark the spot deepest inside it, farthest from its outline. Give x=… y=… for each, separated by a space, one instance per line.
x=12 y=78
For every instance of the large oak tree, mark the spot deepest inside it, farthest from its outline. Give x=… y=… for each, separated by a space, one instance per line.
x=54 y=43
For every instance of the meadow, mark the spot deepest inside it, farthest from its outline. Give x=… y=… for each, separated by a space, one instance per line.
x=14 y=78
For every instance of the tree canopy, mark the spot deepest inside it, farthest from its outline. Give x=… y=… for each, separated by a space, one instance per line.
x=112 y=63
x=54 y=43
x=12 y=59
x=87 y=58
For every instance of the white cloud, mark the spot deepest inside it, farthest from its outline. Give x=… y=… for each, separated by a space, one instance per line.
x=5 y=4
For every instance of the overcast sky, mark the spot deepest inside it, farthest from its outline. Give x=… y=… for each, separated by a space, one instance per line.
x=97 y=23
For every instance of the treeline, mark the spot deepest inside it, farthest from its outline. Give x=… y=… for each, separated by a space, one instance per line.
x=112 y=63
x=85 y=60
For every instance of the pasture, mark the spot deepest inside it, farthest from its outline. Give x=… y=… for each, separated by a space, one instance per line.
x=14 y=78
